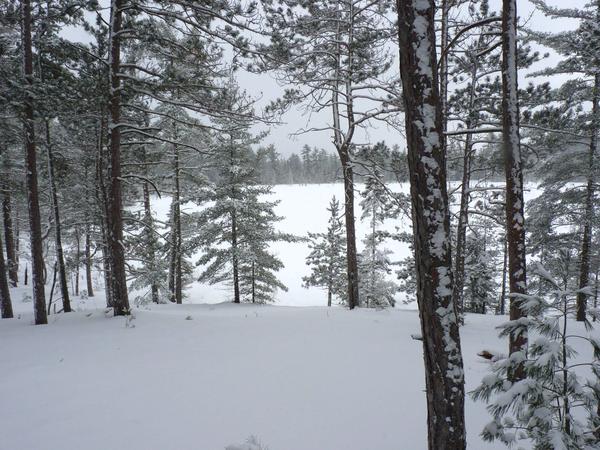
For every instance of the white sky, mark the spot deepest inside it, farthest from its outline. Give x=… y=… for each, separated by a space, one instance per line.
x=265 y=88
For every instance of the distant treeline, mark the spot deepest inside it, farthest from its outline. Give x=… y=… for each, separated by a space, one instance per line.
x=317 y=165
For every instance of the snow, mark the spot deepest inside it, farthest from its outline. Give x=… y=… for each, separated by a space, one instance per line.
x=296 y=378
x=210 y=376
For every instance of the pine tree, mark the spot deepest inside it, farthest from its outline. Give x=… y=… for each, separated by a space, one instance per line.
x=548 y=404
x=444 y=376
x=374 y=262
x=327 y=257
x=236 y=228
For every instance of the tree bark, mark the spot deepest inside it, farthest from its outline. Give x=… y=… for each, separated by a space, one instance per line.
x=5 y=303
x=115 y=218
x=175 y=275
x=351 y=255
x=515 y=218
x=463 y=215
x=342 y=145
x=88 y=262
x=431 y=224
x=35 y=229
x=234 y=259
x=60 y=259
x=149 y=230
x=11 y=254
x=586 y=241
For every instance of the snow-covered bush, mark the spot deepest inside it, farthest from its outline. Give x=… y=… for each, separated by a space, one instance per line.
x=556 y=404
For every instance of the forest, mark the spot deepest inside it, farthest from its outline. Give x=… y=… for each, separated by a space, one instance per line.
x=287 y=213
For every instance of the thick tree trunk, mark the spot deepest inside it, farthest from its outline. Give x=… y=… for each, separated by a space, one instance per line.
x=60 y=259
x=35 y=229
x=504 y=270
x=115 y=218
x=6 y=310
x=431 y=226
x=586 y=240
x=515 y=218
x=88 y=262
x=11 y=253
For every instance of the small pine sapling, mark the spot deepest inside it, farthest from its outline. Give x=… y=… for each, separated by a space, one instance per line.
x=556 y=404
x=327 y=257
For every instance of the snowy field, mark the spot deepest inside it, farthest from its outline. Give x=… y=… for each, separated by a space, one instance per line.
x=206 y=376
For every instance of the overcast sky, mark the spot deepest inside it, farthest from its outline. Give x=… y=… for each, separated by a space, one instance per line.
x=281 y=136
x=265 y=88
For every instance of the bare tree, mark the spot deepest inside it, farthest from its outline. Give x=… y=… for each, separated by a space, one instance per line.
x=431 y=225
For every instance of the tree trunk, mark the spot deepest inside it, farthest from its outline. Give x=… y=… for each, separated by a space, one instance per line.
x=115 y=218
x=515 y=218
x=586 y=241
x=351 y=256
x=77 y=260
x=234 y=261
x=175 y=275
x=463 y=215
x=104 y=210
x=503 y=289
x=253 y=285
x=149 y=230
x=107 y=269
x=60 y=259
x=444 y=374
x=11 y=254
x=35 y=229
x=5 y=303
x=88 y=262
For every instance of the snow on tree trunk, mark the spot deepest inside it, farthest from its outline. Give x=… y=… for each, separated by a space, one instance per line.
x=431 y=225
x=586 y=241
x=88 y=262
x=115 y=218
x=60 y=259
x=11 y=254
x=35 y=229
x=515 y=219
x=175 y=268
x=6 y=311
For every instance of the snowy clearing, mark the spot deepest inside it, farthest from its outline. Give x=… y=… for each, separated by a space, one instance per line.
x=204 y=377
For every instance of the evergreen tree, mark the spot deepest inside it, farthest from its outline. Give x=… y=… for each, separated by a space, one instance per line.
x=374 y=261
x=237 y=226
x=327 y=257
x=553 y=404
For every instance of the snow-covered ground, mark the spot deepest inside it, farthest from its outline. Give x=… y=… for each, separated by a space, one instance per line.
x=205 y=376
x=201 y=377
